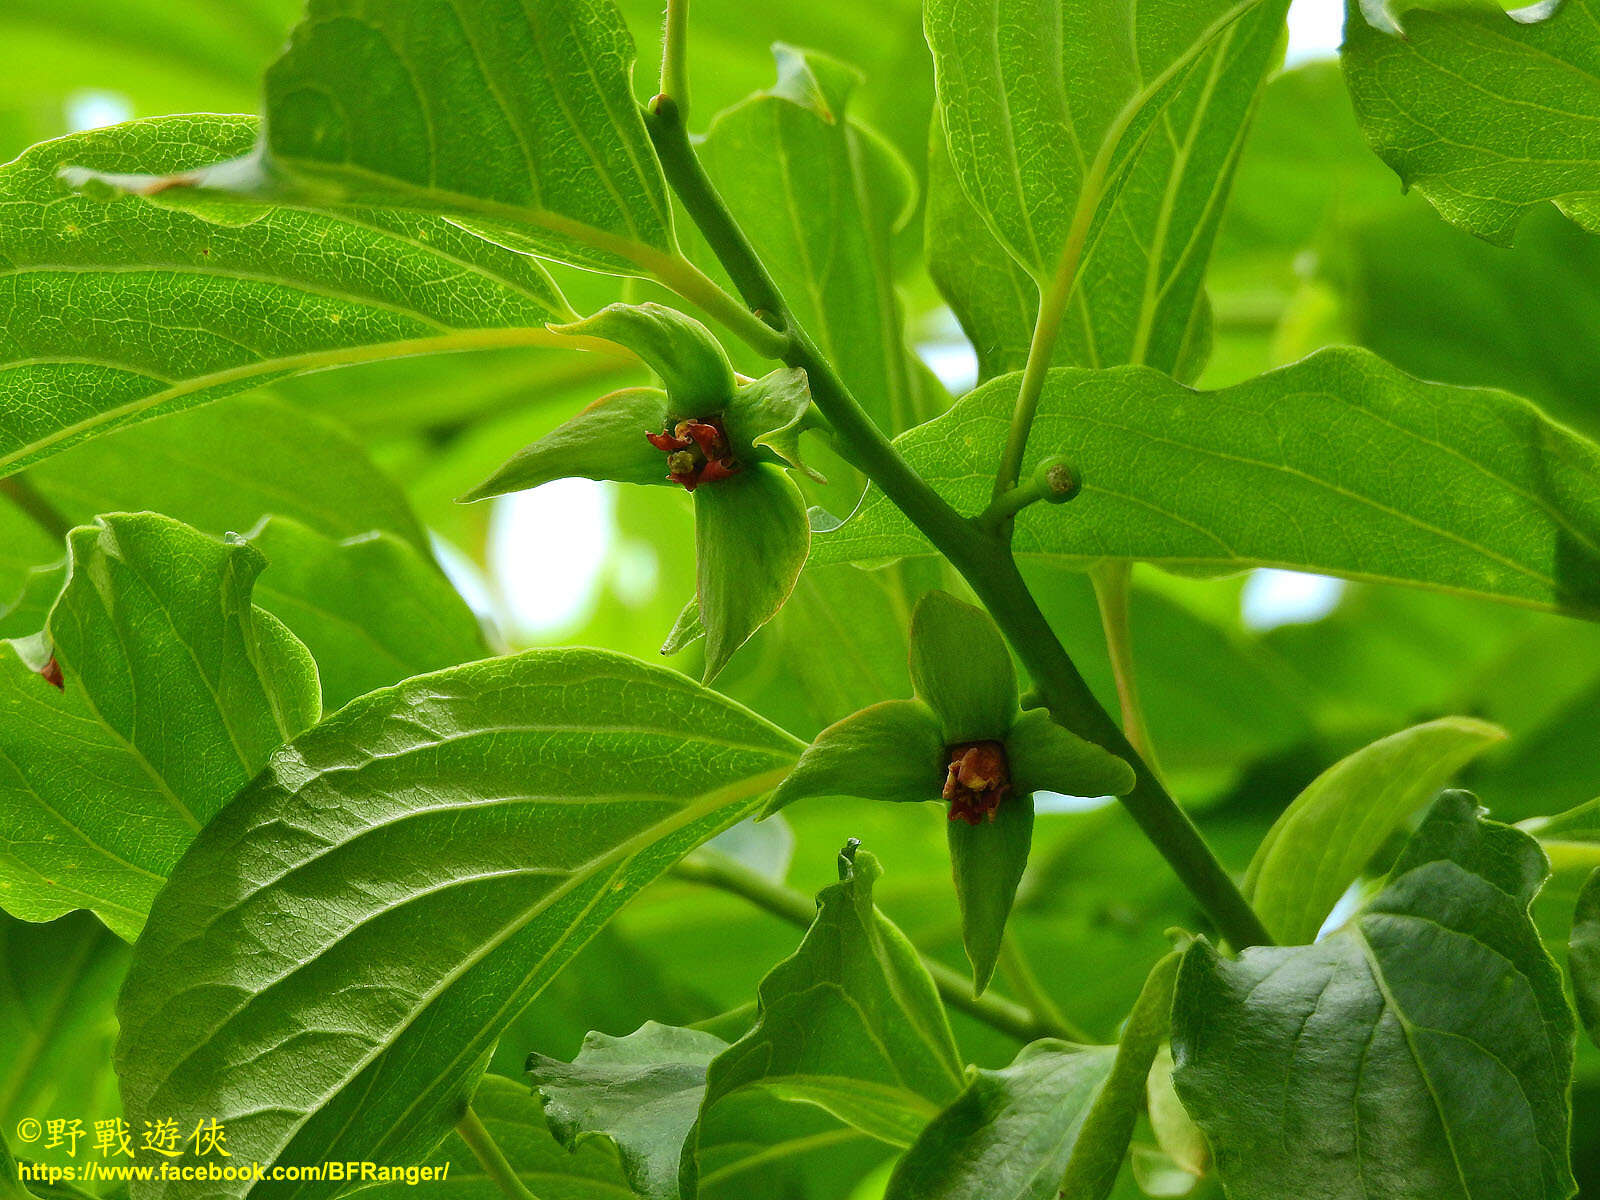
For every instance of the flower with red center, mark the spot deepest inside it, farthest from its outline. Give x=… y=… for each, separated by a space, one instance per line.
x=977 y=779
x=964 y=739
x=697 y=451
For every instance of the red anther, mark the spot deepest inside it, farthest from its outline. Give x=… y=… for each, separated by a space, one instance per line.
x=977 y=781
x=697 y=452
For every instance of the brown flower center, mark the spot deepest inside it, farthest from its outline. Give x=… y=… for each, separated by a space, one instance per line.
x=977 y=780
x=697 y=451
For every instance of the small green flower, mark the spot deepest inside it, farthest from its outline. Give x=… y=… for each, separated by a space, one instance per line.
x=965 y=740
x=726 y=440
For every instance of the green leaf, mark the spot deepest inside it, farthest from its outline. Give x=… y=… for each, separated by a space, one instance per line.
x=57 y=985
x=961 y=669
x=175 y=691
x=401 y=880
x=850 y=1023
x=1377 y=484
x=518 y=120
x=1425 y=1050
x=371 y=609
x=123 y=310
x=1585 y=955
x=688 y=360
x=820 y=197
x=1011 y=1132
x=642 y=1092
x=510 y=1113
x=987 y=860
x=1115 y=123
x=1321 y=843
x=1045 y=756
x=224 y=467
x=751 y=537
x=890 y=751
x=1486 y=113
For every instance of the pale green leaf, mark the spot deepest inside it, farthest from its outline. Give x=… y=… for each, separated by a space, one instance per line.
x=641 y=1092
x=1117 y=123
x=510 y=1112
x=1423 y=1052
x=850 y=1023
x=1488 y=114
x=370 y=608
x=122 y=310
x=176 y=689
x=1338 y=464
x=1320 y=844
x=401 y=880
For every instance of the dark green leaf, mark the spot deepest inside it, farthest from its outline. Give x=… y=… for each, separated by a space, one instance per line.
x=371 y=610
x=961 y=669
x=176 y=690
x=1338 y=464
x=641 y=1092
x=122 y=310
x=1334 y=828
x=402 y=879
x=851 y=1023
x=1487 y=114
x=1423 y=1051
x=987 y=860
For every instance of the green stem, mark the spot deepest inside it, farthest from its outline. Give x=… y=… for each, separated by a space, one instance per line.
x=34 y=505
x=980 y=555
x=674 y=55
x=723 y=873
x=490 y=1156
x=1112 y=592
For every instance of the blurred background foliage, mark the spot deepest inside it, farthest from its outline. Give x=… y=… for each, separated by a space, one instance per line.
x=1252 y=684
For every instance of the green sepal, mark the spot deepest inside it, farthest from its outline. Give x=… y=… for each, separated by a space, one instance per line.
x=751 y=540
x=688 y=360
x=1044 y=757
x=767 y=416
x=987 y=861
x=604 y=441
x=890 y=751
x=960 y=666
x=686 y=630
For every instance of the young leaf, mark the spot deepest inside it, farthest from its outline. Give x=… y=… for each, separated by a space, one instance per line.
x=851 y=1023
x=1425 y=1050
x=371 y=609
x=401 y=880
x=1487 y=113
x=751 y=537
x=123 y=310
x=516 y=119
x=641 y=1092
x=987 y=861
x=1055 y=1122
x=174 y=690
x=1378 y=484
x=1585 y=955
x=1317 y=848
x=511 y=1114
x=821 y=197
x=1114 y=123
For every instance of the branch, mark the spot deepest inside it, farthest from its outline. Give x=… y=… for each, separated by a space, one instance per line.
x=982 y=556
x=490 y=1156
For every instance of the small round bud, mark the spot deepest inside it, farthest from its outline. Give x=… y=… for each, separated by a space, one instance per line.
x=1056 y=480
